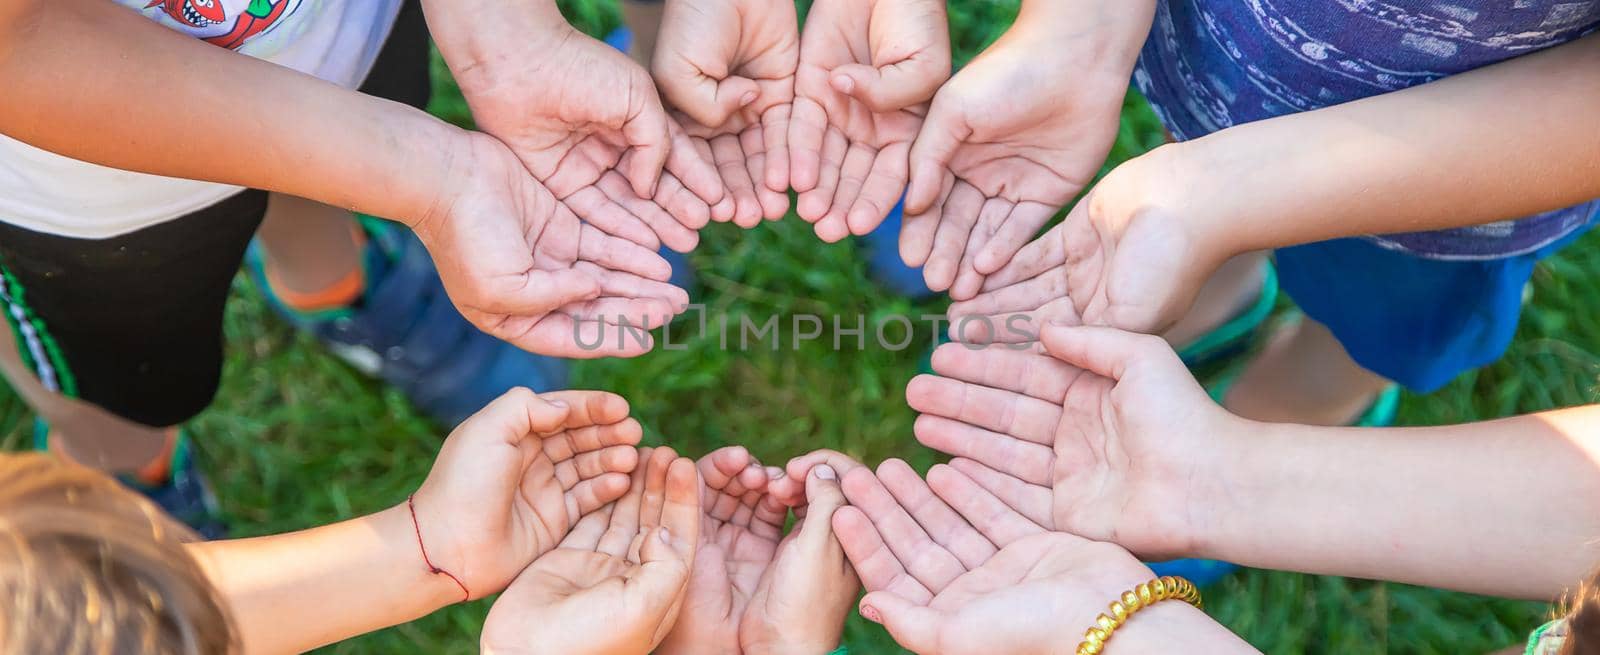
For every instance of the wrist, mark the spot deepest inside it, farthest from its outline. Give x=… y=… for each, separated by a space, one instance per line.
x=1224 y=502
x=1104 y=34
x=410 y=569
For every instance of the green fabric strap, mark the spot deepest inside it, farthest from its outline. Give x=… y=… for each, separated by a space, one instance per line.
x=1536 y=635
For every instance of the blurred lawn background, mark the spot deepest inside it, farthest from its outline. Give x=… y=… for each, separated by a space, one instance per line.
x=297 y=439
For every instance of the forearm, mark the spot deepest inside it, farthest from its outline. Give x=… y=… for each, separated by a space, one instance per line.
x=293 y=592
x=96 y=82
x=1508 y=507
x=1500 y=142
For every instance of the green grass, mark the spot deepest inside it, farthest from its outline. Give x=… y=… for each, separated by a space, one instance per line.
x=297 y=439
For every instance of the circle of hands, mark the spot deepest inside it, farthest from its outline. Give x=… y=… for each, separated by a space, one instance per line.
x=587 y=165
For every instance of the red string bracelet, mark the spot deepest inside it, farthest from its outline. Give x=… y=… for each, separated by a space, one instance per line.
x=411 y=505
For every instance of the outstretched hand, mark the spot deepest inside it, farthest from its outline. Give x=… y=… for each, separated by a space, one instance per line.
x=615 y=584
x=727 y=67
x=867 y=70
x=1108 y=436
x=513 y=478
x=1013 y=137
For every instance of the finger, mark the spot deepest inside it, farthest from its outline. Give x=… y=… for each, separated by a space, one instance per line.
x=1107 y=352
x=996 y=410
x=808 y=122
x=824 y=497
x=956 y=221
x=1026 y=460
x=618 y=255
x=968 y=280
x=816 y=202
x=624 y=523
x=917 y=231
x=586 y=533
x=1002 y=367
x=683 y=206
x=649 y=144
x=723 y=208
x=663 y=574
x=775 y=132
x=1040 y=255
x=595 y=463
x=999 y=523
x=593 y=206
x=915 y=627
x=884 y=185
x=516 y=415
x=680 y=511
x=628 y=286
x=594 y=492
x=874 y=563
x=530 y=294
x=925 y=559
x=1023 y=296
x=735 y=173
x=663 y=227
x=691 y=164
x=834 y=225
x=773 y=204
x=706 y=99
x=1033 y=501
x=1021 y=226
x=890 y=88
x=655 y=488
x=942 y=132
x=800 y=467
x=941 y=523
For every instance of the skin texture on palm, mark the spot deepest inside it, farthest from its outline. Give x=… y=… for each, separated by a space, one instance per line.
x=739 y=533
x=1123 y=257
x=867 y=70
x=519 y=265
x=727 y=68
x=615 y=583
x=1082 y=439
x=1013 y=137
x=512 y=479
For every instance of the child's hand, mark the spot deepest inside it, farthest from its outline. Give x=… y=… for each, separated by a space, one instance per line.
x=572 y=109
x=521 y=267
x=1123 y=257
x=615 y=583
x=739 y=533
x=1013 y=137
x=867 y=70
x=951 y=569
x=802 y=601
x=728 y=66
x=514 y=477
x=1108 y=437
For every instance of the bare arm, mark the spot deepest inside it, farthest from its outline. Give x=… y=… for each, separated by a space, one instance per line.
x=1504 y=141
x=1508 y=507
x=94 y=81
x=293 y=592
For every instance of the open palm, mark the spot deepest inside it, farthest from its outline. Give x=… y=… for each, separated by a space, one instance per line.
x=867 y=70
x=616 y=581
x=1013 y=137
x=1102 y=437
x=738 y=538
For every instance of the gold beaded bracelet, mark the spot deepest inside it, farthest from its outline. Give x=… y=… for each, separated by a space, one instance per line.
x=1166 y=587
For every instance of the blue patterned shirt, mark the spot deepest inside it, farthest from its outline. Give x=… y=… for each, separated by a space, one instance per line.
x=1212 y=64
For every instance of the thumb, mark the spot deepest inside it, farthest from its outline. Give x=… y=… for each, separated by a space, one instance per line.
x=1107 y=352
x=936 y=144
x=824 y=496
x=515 y=415
x=710 y=102
x=649 y=141
x=914 y=627
x=663 y=573
x=890 y=88
x=535 y=294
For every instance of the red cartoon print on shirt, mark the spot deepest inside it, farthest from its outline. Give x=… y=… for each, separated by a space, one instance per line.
x=210 y=21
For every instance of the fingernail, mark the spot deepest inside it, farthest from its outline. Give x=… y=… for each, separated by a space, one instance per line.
x=747 y=98
x=665 y=536
x=870 y=613
x=774 y=472
x=826 y=472
x=844 y=84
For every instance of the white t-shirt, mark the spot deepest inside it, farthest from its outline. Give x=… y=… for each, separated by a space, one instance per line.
x=336 y=40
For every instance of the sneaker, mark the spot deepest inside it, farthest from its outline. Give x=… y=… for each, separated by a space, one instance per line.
x=185 y=496
x=405 y=331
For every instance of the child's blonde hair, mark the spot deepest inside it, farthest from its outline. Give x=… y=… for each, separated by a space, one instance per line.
x=87 y=566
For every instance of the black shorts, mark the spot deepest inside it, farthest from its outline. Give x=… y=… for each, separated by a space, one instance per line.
x=133 y=323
